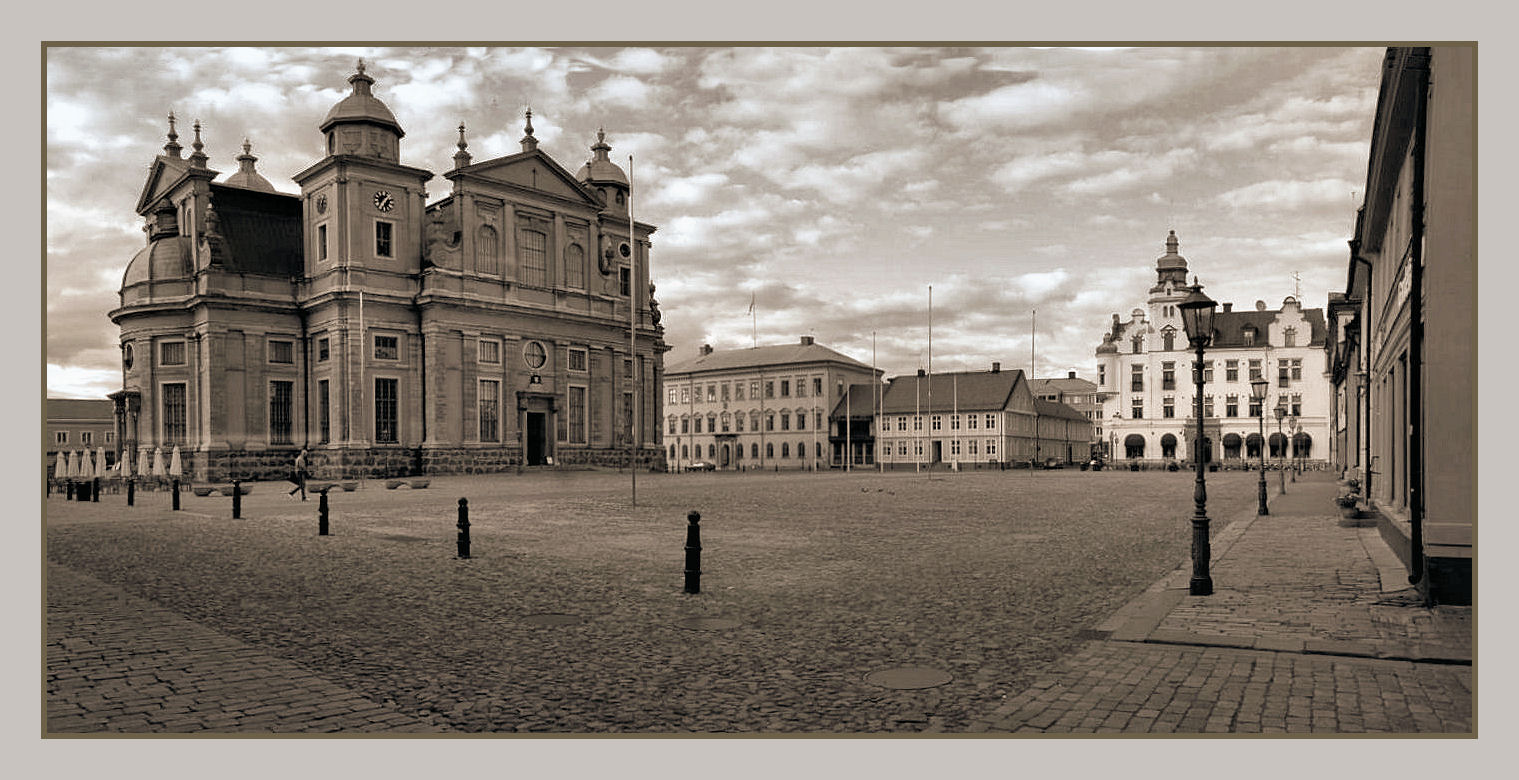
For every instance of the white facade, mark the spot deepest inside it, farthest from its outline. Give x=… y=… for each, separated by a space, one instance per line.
x=1145 y=379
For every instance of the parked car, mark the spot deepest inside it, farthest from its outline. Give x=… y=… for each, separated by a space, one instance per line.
x=701 y=465
x=1096 y=464
x=1054 y=463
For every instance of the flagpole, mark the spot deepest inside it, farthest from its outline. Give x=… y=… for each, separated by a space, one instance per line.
x=875 y=403
x=930 y=375
x=1033 y=331
x=633 y=334
x=753 y=321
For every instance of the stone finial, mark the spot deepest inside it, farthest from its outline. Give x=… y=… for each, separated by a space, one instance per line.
x=529 y=143
x=461 y=157
x=198 y=157
x=172 y=148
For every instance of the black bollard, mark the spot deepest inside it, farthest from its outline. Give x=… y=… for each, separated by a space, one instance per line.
x=463 y=528
x=693 y=552
x=95 y=490
x=237 y=499
x=321 y=514
x=131 y=492
x=176 y=495
x=69 y=488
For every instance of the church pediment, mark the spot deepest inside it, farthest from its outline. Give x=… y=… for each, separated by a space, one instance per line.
x=532 y=170
x=164 y=176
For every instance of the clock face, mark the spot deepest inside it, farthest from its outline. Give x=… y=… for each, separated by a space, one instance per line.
x=534 y=355
x=383 y=201
x=321 y=204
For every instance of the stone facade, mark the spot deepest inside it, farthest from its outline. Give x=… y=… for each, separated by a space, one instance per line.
x=484 y=331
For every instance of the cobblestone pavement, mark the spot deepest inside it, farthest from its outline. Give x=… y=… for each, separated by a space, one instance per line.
x=1311 y=628
x=121 y=664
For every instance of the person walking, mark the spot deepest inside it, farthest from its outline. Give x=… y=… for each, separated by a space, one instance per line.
x=299 y=475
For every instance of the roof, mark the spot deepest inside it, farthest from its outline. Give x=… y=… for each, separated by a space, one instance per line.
x=1229 y=326
x=757 y=357
x=163 y=258
x=361 y=106
x=861 y=402
x=103 y=409
x=262 y=230
x=1062 y=384
x=1045 y=408
x=968 y=391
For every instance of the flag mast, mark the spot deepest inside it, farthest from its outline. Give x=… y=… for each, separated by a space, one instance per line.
x=633 y=335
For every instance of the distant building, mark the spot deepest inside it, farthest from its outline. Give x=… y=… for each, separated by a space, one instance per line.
x=486 y=330
x=77 y=424
x=1145 y=378
x=1408 y=354
x=1077 y=393
x=974 y=419
x=756 y=408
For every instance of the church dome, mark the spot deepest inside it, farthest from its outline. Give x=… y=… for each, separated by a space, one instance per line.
x=163 y=258
x=246 y=177
x=1171 y=260
x=600 y=167
x=361 y=106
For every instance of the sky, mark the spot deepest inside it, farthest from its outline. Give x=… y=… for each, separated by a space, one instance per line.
x=1032 y=188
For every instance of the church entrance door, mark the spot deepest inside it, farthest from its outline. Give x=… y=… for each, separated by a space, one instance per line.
x=537 y=435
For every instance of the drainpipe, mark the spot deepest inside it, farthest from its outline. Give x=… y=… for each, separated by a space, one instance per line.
x=1417 y=563
x=1365 y=378
x=305 y=383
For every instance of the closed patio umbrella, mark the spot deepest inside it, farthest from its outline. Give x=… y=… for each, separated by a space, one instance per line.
x=158 y=462
x=176 y=469
x=126 y=464
x=60 y=467
x=86 y=466
x=100 y=462
x=143 y=463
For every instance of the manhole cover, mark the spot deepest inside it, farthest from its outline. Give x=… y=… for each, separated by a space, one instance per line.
x=906 y=678
x=552 y=619
x=401 y=538
x=708 y=624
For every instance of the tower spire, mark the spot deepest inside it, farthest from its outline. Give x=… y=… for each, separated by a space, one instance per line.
x=529 y=143
x=461 y=157
x=172 y=148
x=198 y=157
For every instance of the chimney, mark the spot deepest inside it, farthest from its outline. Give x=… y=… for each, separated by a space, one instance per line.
x=1070 y=375
x=806 y=341
x=1228 y=307
x=996 y=367
x=706 y=349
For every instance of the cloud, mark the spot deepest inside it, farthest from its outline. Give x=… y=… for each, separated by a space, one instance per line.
x=1280 y=195
x=688 y=190
x=79 y=382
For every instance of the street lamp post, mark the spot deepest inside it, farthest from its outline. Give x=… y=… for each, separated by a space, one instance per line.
x=1258 y=395
x=1280 y=466
x=1292 y=439
x=1197 y=316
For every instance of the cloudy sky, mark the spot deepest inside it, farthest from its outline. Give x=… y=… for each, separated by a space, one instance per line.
x=834 y=185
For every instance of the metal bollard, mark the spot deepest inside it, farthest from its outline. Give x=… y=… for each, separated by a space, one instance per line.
x=237 y=499
x=176 y=495
x=693 y=552
x=131 y=492
x=95 y=490
x=463 y=528
x=321 y=514
x=69 y=487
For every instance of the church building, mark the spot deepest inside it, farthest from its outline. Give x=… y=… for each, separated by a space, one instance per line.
x=390 y=336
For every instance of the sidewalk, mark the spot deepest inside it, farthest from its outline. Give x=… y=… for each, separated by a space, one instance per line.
x=1312 y=627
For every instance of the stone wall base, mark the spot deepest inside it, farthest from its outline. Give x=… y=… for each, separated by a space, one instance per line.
x=383 y=462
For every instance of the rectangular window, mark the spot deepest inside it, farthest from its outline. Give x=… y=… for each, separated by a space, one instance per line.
x=281 y=395
x=972 y=445
x=386 y=409
x=1231 y=406
x=991 y=423
x=970 y=421
x=110 y=436
x=1289 y=337
x=1255 y=407
x=902 y=423
x=769 y=422
x=535 y=264
x=1102 y=376
x=672 y=427
x=738 y=423
x=1207 y=406
x=1281 y=402
x=323 y=349
x=785 y=422
x=954 y=446
x=696 y=425
x=1137 y=378
x=1283 y=373
x=1297 y=369
x=769 y=389
x=936 y=422
x=1207 y=371
x=785 y=388
x=817 y=385
x=801 y=387
x=1137 y=408
x=281 y=351
x=671 y=402
x=991 y=446
x=490 y=351
x=1168 y=407
x=490 y=410
x=738 y=391
x=754 y=390
x=1231 y=370
x=384 y=234
x=1255 y=369
x=725 y=394
x=685 y=394
x=321 y=242
x=711 y=393
x=685 y=425
x=174 y=412
x=86 y=437
x=324 y=412
x=1297 y=405
x=171 y=353
x=577 y=415
x=387 y=348
x=624 y=284
x=1168 y=376
x=954 y=422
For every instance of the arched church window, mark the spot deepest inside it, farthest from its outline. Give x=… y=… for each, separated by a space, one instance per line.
x=487 y=251
x=535 y=269
x=574 y=266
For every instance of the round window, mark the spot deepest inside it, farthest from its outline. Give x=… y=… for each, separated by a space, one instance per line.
x=534 y=354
